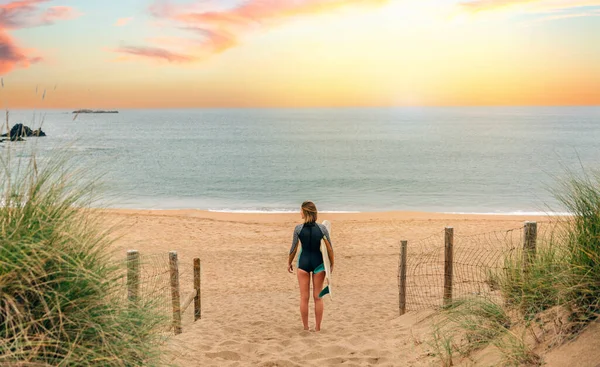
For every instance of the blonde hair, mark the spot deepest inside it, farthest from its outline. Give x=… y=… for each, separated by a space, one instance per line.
x=309 y=209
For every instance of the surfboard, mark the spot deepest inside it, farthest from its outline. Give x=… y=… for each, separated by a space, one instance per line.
x=326 y=262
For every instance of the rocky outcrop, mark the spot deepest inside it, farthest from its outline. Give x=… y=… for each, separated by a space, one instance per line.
x=19 y=131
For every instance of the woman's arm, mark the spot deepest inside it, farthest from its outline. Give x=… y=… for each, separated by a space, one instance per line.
x=291 y=257
x=293 y=250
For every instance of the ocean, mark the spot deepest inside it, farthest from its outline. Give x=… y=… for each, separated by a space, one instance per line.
x=456 y=159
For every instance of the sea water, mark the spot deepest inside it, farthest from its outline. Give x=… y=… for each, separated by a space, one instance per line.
x=454 y=159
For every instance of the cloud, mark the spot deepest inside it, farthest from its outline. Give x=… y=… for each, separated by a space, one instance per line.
x=58 y=13
x=35 y=60
x=123 y=21
x=533 y=5
x=220 y=30
x=25 y=14
x=10 y=54
x=559 y=16
x=482 y=5
x=155 y=53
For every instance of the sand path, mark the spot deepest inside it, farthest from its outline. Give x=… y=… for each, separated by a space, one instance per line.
x=250 y=303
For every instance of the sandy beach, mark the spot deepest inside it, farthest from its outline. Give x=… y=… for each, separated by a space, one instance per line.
x=250 y=311
x=397 y=118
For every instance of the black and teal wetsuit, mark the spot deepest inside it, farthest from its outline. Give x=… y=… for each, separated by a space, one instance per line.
x=310 y=234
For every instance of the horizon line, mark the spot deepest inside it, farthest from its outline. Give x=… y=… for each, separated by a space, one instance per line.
x=294 y=107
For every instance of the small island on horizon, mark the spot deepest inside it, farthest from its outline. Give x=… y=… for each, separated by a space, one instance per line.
x=94 y=111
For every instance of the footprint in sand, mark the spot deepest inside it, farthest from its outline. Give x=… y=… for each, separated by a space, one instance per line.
x=356 y=340
x=336 y=350
x=279 y=363
x=336 y=361
x=313 y=355
x=376 y=360
x=304 y=333
x=228 y=342
x=249 y=348
x=285 y=343
x=228 y=355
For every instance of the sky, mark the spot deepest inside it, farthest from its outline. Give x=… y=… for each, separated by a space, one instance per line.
x=298 y=53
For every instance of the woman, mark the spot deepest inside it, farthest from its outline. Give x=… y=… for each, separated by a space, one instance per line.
x=310 y=261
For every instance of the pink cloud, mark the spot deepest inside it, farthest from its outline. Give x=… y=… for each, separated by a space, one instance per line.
x=22 y=4
x=123 y=21
x=155 y=53
x=58 y=13
x=10 y=54
x=17 y=13
x=220 y=30
x=25 y=14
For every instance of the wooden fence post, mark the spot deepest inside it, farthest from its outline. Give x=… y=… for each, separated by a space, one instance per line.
x=197 y=289
x=529 y=244
x=133 y=275
x=402 y=277
x=173 y=266
x=448 y=264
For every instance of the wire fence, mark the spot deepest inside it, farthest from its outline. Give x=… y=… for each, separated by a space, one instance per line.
x=148 y=278
x=434 y=270
x=475 y=261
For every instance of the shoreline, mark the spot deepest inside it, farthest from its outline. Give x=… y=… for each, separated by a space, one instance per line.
x=346 y=216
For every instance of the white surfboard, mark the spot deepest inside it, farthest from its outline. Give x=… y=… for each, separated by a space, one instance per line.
x=326 y=262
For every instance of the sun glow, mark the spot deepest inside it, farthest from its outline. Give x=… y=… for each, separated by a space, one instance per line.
x=311 y=53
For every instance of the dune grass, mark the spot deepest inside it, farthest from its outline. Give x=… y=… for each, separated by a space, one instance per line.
x=560 y=285
x=544 y=284
x=566 y=269
x=62 y=299
x=468 y=325
x=580 y=194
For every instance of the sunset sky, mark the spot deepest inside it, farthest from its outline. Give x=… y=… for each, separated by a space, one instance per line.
x=270 y=53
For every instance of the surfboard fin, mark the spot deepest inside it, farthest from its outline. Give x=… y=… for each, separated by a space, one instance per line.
x=324 y=292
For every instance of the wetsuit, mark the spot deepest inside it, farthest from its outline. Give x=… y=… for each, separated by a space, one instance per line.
x=310 y=235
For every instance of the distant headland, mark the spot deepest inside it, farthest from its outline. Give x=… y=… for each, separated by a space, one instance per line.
x=94 y=111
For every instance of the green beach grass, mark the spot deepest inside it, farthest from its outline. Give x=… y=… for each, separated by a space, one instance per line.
x=62 y=298
x=560 y=286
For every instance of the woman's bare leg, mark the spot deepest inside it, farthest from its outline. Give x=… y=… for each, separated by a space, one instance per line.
x=304 y=282
x=318 y=280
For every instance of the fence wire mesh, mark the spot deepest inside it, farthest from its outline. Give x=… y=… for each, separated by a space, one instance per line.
x=477 y=261
x=155 y=284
